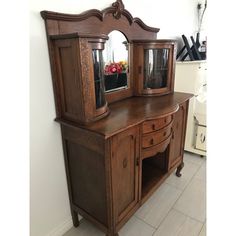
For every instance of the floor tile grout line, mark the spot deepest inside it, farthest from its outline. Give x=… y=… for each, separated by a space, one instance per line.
x=176 y=200
x=200 y=164
x=201 y=229
x=182 y=190
x=194 y=163
x=144 y=221
x=172 y=208
x=202 y=222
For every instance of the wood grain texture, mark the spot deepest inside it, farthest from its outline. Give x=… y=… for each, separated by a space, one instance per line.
x=134 y=111
x=116 y=157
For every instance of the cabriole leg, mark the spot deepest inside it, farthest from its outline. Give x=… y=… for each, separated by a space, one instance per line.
x=179 y=168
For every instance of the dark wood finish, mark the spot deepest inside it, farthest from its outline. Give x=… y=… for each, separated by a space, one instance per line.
x=155 y=138
x=179 y=168
x=114 y=158
x=179 y=129
x=134 y=111
x=74 y=81
x=154 y=125
x=138 y=61
x=109 y=162
x=160 y=147
x=98 y=22
x=125 y=159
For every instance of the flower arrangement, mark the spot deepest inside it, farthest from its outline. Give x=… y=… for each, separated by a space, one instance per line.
x=115 y=67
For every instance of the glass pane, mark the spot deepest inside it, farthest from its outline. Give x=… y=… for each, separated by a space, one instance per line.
x=155 y=68
x=98 y=66
x=116 y=62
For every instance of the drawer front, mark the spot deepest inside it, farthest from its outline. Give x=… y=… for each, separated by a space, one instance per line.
x=155 y=138
x=151 y=151
x=154 y=125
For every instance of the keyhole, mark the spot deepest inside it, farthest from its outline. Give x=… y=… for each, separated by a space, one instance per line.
x=125 y=162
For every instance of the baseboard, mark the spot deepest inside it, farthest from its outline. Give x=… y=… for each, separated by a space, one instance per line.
x=62 y=228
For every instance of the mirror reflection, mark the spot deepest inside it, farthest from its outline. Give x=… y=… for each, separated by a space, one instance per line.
x=115 y=57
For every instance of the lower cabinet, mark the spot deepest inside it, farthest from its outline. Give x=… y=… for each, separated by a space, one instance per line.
x=178 y=135
x=124 y=169
x=109 y=178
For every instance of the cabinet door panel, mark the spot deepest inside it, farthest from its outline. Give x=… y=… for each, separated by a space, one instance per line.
x=125 y=172
x=178 y=137
x=154 y=66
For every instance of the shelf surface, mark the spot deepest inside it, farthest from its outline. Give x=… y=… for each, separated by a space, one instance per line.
x=132 y=111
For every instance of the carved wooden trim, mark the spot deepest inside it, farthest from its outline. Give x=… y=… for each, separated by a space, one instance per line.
x=117 y=10
x=84 y=53
x=119 y=6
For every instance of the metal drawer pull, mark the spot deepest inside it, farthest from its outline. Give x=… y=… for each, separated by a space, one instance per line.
x=164 y=134
x=153 y=126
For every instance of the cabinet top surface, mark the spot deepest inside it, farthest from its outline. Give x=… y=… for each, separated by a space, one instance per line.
x=132 y=111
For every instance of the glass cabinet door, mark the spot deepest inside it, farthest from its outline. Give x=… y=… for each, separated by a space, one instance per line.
x=155 y=68
x=98 y=67
x=154 y=63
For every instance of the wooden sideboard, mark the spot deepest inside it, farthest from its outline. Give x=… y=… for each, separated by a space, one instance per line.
x=119 y=146
x=116 y=163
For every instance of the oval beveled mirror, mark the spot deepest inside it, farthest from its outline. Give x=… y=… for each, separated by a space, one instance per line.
x=115 y=57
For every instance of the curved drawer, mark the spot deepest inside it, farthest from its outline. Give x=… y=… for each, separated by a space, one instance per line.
x=157 y=124
x=156 y=137
x=151 y=151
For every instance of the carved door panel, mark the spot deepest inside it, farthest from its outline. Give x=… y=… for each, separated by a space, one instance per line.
x=178 y=135
x=125 y=160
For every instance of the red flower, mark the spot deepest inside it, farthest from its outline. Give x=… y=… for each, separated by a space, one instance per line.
x=113 y=68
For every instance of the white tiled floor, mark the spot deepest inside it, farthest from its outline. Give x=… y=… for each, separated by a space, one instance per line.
x=177 y=208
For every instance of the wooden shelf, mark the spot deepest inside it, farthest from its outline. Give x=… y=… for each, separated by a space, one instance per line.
x=152 y=176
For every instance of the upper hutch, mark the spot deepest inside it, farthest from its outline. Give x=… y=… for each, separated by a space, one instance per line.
x=123 y=126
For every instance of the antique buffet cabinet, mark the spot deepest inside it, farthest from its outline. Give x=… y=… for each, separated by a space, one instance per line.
x=119 y=144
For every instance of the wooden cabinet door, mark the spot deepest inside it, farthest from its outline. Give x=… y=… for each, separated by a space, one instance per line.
x=125 y=160
x=178 y=135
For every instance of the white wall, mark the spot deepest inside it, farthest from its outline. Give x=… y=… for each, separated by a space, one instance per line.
x=50 y=214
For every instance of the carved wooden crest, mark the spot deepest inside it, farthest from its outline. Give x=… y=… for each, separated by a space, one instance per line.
x=119 y=8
